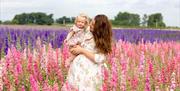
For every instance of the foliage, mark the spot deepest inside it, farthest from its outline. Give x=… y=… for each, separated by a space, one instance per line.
x=127 y=19
x=156 y=20
x=7 y=22
x=33 y=18
x=144 y=20
x=65 y=20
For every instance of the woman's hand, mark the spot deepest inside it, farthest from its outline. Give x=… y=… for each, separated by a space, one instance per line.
x=76 y=50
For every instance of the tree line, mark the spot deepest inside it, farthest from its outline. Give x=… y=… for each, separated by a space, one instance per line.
x=121 y=19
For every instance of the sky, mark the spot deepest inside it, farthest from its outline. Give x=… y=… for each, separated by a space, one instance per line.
x=170 y=9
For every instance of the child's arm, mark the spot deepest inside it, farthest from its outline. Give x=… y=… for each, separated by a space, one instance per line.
x=70 y=34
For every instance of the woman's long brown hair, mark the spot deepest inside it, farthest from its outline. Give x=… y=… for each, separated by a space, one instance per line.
x=102 y=33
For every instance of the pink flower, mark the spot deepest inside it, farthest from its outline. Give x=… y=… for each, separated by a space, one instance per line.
x=163 y=78
x=65 y=53
x=55 y=87
x=150 y=67
x=134 y=83
x=142 y=63
x=60 y=76
x=23 y=88
x=46 y=86
x=33 y=83
x=148 y=85
x=173 y=82
x=114 y=80
x=105 y=79
x=124 y=73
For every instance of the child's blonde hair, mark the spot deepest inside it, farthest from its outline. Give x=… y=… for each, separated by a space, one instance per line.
x=84 y=16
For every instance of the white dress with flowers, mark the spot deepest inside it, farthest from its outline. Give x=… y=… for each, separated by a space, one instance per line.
x=84 y=74
x=77 y=37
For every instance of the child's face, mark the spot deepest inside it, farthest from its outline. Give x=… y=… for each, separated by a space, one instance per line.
x=80 y=23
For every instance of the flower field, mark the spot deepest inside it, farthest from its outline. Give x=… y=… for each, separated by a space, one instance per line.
x=33 y=59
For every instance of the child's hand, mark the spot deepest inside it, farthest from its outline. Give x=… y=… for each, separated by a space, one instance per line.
x=65 y=41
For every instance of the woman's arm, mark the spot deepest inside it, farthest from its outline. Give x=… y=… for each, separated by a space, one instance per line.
x=88 y=54
x=94 y=57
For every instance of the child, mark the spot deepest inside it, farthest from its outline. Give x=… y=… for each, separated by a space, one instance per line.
x=76 y=34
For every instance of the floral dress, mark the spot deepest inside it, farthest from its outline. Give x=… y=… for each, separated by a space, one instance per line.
x=84 y=74
x=77 y=37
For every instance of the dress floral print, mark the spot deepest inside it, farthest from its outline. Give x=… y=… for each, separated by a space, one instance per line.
x=77 y=37
x=84 y=74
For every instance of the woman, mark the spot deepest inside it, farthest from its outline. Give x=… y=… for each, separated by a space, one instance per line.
x=85 y=70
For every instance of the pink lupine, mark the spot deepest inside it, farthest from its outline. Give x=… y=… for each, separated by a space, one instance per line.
x=19 y=68
x=173 y=82
x=147 y=83
x=158 y=80
x=163 y=78
x=36 y=71
x=65 y=53
x=123 y=74
x=50 y=53
x=8 y=64
x=105 y=79
x=104 y=87
x=33 y=83
x=55 y=87
x=134 y=82
x=44 y=59
x=23 y=88
x=150 y=69
x=114 y=80
x=30 y=61
x=57 y=56
x=162 y=62
x=17 y=72
x=6 y=82
x=142 y=63
x=45 y=86
x=60 y=76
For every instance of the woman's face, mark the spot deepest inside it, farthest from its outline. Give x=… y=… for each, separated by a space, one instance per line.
x=92 y=25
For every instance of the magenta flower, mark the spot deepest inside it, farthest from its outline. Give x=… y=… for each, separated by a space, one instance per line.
x=147 y=83
x=33 y=83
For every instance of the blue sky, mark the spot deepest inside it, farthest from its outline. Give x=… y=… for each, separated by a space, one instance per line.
x=169 y=8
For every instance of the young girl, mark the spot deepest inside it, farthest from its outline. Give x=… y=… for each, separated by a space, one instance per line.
x=76 y=34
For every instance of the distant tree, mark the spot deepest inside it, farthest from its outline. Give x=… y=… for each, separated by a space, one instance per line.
x=7 y=22
x=127 y=19
x=156 y=20
x=42 y=18
x=33 y=18
x=63 y=20
x=0 y=22
x=144 y=20
x=73 y=19
x=19 y=19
